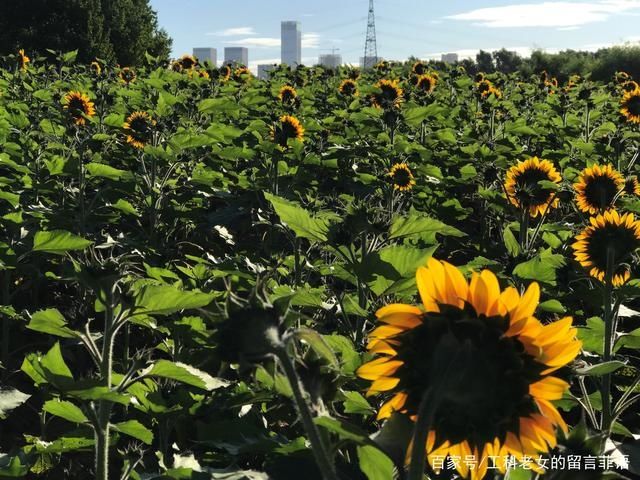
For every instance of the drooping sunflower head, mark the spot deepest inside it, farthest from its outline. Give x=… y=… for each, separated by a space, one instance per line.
x=552 y=82
x=608 y=242
x=288 y=128
x=23 y=60
x=95 y=68
x=225 y=73
x=127 y=75
x=242 y=74
x=492 y=362
x=401 y=177
x=287 y=94
x=390 y=95
x=632 y=186
x=621 y=77
x=348 y=88
x=544 y=76
x=419 y=68
x=382 y=66
x=523 y=186
x=629 y=86
x=354 y=73
x=630 y=106
x=78 y=106
x=597 y=188
x=483 y=86
x=478 y=77
x=139 y=129
x=426 y=83
x=186 y=62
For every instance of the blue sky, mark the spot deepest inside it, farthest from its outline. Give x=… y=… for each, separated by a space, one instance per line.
x=423 y=28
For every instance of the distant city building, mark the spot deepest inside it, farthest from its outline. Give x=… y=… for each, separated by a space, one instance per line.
x=449 y=57
x=206 y=55
x=330 y=60
x=370 y=61
x=264 y=69
x=291 y=43
x=236 y=55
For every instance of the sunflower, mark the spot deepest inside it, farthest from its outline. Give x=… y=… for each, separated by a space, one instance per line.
x=354 y=74
x=390 y=94
x=382 y=65
x=622 y=77
x=630 y=106
x=524 y=190
x=552 y=82
x=629 y=86
x=419 y=68
x=597 y=188
x=96 y=68
x=185 y=62
x=79 y=106
x=484 y=86
x=289 y=128
x=401 y=177
x=127 y=75
x=631 y=186
x=479 y=77
x=609 y=235
x=225 y=72
x=23 y=60
x=544 y=76
x=426 y=83
x=241 y=74
x=138 y=128
x=348 y=88
x=287 y=94
x=498 y=402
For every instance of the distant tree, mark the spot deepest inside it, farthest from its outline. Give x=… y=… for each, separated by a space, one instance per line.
x=506 y=61
x=115 y=30
x=484 y=60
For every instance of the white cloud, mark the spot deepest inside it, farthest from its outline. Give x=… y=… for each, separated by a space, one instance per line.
x=259 y=42
x=546 y=14
x=234 y=32
x=310 y=40
x=567 y=29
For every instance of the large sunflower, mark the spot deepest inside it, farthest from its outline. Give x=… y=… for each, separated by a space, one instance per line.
x=401 y=177
x=127 y=75
x=78 y=106
x=225 y=72
x=95 y=67
x=629 y=86
x=23 y=60
x=348 y=88
x=419 y=68
x=390 y=95
x=597 y=188
x=498 y=401
x=426 y=83
x=523 y=187
x=138 y=128
x=288 y=128
x=608 y=235
x=631 y=186
x=287 y=94
x=186 y=62
x=630 y=106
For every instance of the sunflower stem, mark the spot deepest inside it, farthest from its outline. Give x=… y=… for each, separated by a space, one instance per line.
x=608 y=343
x=524 y=230
x=426 y=413
x=320 y=452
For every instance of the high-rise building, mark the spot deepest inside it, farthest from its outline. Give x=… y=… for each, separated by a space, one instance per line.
x=291 y=43
x=264 y=69
x=449 y=57
x=330 y=60
x=206 y=55
x=236 y=55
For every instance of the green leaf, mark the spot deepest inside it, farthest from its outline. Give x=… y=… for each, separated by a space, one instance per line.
x=52 y=322
x=422 y=226
x=553 y=306
x=510 y=241
x=183 y=373
x=592 y=335
x=58 y=241
x=374 y=463
x=135 y=429
x=601 y=368
x=299 y=220
x=356 y=403
x=165 y=300
x=344 y=430
x=10 y=399
x=319 y=345
x=105 y=171
x=66 y=410
x=541 y=268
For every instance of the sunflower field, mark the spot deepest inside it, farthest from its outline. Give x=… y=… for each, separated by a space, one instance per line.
x=408 y=272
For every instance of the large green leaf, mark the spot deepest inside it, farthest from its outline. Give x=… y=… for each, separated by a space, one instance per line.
x=541 y=268
x=166 y=299
x=374 y=463
x=52 y=322
x=421 y=226
x=58 y=241
x=299 y=220
x=135 y=429
x=181 y=372
x=66 y=410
